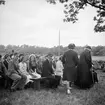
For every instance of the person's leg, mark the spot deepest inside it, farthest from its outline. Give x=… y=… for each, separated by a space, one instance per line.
x=68 y=87
x=29 y=77
x=36 y=75
x=57 y=80
x=16 y=81
x=22 y=81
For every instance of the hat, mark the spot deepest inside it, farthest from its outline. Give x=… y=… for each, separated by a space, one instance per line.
x=88 y=47
x=71 y=46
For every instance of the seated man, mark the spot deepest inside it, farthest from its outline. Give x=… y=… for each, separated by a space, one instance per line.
x=2 y=72
x=48 y=72
x=8 y=81
x=18 y=78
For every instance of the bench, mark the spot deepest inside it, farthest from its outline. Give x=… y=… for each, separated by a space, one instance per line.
x=36 y=84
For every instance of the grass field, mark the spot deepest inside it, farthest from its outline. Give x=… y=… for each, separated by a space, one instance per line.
x=93 y=96
x=98 y=58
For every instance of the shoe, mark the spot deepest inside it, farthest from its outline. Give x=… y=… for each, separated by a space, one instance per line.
x=68 y=91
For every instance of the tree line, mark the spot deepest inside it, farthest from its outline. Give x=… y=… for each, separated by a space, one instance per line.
x=56 y=50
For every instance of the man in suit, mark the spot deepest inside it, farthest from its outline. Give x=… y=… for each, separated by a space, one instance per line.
x=6 y=60
x=8 y=81
x=70 y=62
x=47 y=71
x=18 y=78
x=2 y=72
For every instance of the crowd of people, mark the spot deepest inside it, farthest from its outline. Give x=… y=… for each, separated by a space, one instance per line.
x=18 y=72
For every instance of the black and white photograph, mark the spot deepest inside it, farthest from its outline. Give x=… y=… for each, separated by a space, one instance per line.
x=52 y=52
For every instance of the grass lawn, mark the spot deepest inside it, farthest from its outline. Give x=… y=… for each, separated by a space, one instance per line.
x=93 y=96
x=98 y=58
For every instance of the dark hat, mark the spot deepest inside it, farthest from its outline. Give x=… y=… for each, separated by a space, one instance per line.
x=88 y=47
x=71 y=46
x=6 y=56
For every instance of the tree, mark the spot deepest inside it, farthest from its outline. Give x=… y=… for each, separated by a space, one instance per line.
x=2 y=2
x=73 y=7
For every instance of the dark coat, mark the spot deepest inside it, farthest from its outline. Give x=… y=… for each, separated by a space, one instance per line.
x=84 y=78
x=2 y=69
x=47 y=69
x=13 y=67
x=70 y=61
x=6 y=64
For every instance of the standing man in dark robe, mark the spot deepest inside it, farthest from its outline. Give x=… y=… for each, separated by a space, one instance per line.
x=84 y=78
x=70 y=61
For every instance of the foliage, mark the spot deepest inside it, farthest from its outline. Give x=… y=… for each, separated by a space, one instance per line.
x=73 y=7
x=2 y=2
x=99 y=50
x=96 y=51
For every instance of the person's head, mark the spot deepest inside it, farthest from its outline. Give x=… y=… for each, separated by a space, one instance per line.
x=88 y=48
x=71 y=46
x=7 y=57
x=32 y=57
x=21 y=56
x=49 y=57
x=12 y=51
x=16 y=56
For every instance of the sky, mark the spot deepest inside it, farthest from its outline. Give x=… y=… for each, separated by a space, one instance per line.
x=36 y=22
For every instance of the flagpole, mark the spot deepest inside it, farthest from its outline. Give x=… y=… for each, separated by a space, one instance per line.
x=59 y=42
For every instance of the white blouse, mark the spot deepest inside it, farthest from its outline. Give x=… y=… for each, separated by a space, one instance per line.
x=23 y=68
x=59 y=68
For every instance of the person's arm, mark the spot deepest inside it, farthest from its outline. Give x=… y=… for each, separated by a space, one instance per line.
x=76 y=60
x=89 y=59
x=5 y=71
x=10 y=68
x=28 y=68
x=63 y=59
x=52 y=69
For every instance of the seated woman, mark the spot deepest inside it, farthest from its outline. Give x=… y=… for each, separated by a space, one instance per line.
x=59 y=70
x=32 y=66
x=84 y=74
x=23 y=69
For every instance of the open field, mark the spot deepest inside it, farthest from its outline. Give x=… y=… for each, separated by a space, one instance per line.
x=98 y=58
x=93 y=96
